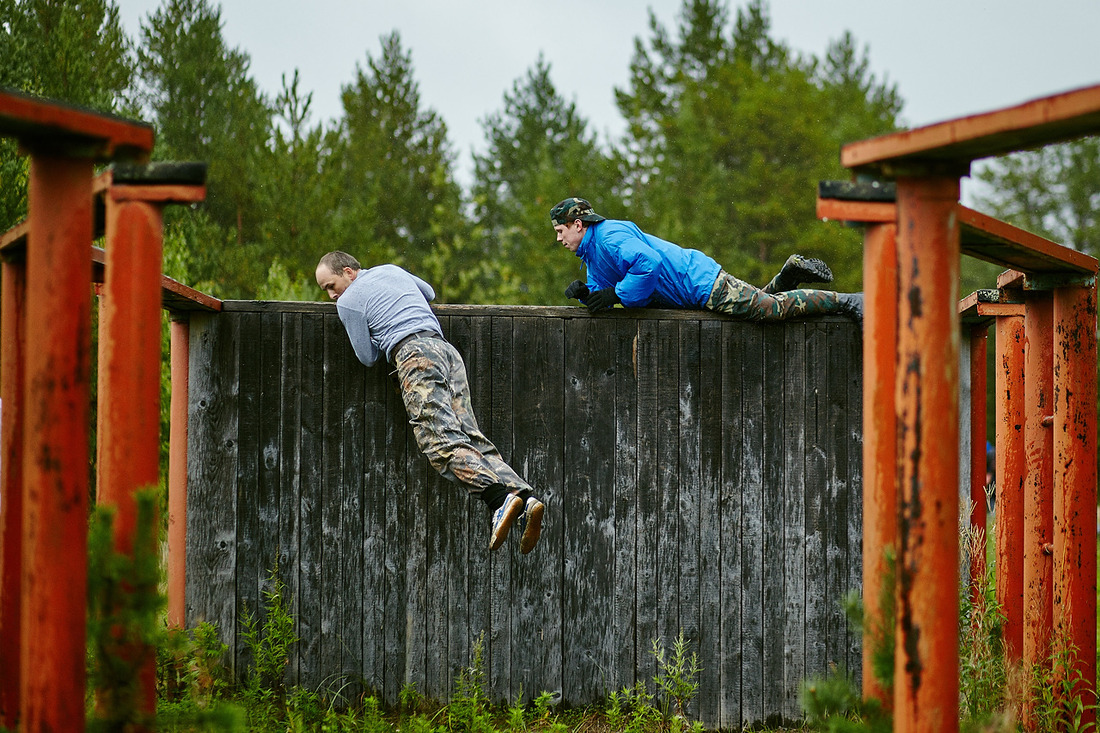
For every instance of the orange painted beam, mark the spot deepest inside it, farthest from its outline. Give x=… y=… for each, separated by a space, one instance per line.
x=980 y=236
x=1010 y=476
x=12 y=359
x=1075 y=490
x=1038 y=494
x=926 y=669
x=880 y=492
x=1052 y=119
x=177 y=475
x=55 y=452
x=977 y=456
x=52 y=126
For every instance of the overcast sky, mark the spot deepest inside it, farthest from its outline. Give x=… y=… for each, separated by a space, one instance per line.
x=948 y=58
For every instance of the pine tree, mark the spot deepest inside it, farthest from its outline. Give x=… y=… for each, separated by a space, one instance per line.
x=539 y=152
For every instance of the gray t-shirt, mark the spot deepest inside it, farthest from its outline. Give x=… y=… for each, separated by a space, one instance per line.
x=383 y=305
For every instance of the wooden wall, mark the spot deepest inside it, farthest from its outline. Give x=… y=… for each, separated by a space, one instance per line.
x=700 y=474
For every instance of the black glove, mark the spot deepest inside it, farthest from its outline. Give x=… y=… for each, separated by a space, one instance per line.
x=602 y=300
x=577 y=290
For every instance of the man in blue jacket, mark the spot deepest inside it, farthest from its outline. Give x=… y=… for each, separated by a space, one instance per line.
x=385 y=312
x=625 y=265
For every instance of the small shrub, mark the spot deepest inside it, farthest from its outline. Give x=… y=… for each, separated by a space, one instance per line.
x=676 y=678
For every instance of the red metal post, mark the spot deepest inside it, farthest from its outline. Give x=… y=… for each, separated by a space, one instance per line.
x=1039 y=471
x=926 y=669
x=55 y=453
x=1010 y=475
x=977 y=456
x=12 y=357
x=1075 y=489
x=880 y=503
x=129 y=398
x=177 y=475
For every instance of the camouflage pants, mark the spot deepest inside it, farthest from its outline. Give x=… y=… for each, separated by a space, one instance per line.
x=737 y=298
x=436 y=393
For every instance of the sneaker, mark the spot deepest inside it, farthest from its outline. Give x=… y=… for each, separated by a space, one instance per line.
x=503 y=518
x=529 y=524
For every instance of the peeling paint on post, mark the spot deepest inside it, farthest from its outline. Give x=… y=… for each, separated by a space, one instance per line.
x=1075 y=488
x=1010 y=481
x=880 y=496
x=1038 y=499
x=926 y=671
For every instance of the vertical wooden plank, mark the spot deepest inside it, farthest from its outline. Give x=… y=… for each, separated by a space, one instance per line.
x=794 y=514
x=730 y=511
x=292 y=387
x=416 y=567
x=378 y=433
x=668 y=481
x=350 y=530
x=499 y=641
x=269 y=417
x=469 y=603
x=647 y=580
x=395 y=502
x=211 y=470
x=854 y=345
x=709 y=482
x=541 y=431
x=688 y=509
x=837 y=495
x=249 y=541
x=772 y=495
x=818 y=446
x=312 y=661
x=752 y=529
x=331 y=487
x=587 y=506
x=626 y=510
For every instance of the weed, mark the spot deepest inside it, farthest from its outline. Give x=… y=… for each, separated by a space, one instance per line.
x=676 y=678
x=269 y=642
x=469 y=707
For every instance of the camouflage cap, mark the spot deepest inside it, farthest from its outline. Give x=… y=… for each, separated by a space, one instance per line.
x=571 y=209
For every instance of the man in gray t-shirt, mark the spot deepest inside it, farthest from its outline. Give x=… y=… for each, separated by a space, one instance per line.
x=385 y=311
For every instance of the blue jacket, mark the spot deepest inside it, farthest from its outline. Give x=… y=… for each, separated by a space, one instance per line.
x=645 y=270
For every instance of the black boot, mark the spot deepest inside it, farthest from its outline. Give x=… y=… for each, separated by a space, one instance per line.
x=797 y=270
x=851 y=305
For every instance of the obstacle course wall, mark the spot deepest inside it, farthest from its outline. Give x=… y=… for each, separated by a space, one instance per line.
x=700 y=474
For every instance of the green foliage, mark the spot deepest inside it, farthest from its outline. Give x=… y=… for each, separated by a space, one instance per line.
x=469 y=708
x=631 y=710
x=74 y=51
x=729 y=138
x=269 y=641
x=677 y=674
x=124 y=604
x=539 y=151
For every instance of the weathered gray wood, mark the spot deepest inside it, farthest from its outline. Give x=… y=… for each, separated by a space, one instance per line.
x=711 y=439
x=625 y=511
x=289 y=426
x=752 y=526
x=794 y=514
x=730 y=506
x=538 y=456
x=212 y=530
x=250 y=545
x=774 y=424
x=699 y=474
x=310 y=542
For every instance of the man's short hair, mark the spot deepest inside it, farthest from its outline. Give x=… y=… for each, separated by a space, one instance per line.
x=337 y=261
